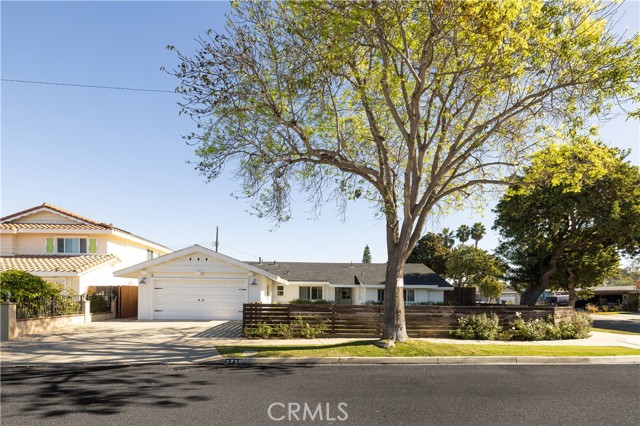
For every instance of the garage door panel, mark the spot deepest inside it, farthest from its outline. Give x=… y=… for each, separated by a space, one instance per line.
x=214 y=299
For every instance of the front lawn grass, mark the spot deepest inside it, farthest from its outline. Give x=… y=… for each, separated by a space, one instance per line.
x=415 y=348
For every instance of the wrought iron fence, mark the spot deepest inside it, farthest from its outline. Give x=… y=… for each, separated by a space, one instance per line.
x=101 y=297
x=49 y=307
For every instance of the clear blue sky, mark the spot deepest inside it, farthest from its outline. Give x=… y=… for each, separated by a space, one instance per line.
x=117 y=156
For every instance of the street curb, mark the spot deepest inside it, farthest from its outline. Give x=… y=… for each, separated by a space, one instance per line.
x=481 y=360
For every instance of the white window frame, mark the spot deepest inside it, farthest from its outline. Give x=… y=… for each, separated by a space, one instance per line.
x=318 y=290
x=86 y=245
x=409 y=295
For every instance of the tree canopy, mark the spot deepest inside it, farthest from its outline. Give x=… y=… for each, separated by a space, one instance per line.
x=478 y=231
x=568 y=228
x=409 y=105
x=432 y=251
x=468 y=266
x=463 y=233
x=22 y=286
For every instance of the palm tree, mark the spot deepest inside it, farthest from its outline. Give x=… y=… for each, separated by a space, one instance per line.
x=477 y=232
x=463 y=233
x=447 y=236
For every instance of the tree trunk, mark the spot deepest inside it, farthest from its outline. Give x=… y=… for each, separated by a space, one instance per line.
x=394 y=326
x=571 y=289
x=531 y=294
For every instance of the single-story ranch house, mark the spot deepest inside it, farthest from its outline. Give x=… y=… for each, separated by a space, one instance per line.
x=198 y=283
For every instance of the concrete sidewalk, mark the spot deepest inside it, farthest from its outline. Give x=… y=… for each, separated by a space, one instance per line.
x=174 y=342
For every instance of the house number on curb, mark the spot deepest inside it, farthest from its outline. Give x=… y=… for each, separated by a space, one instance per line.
x=233 y=361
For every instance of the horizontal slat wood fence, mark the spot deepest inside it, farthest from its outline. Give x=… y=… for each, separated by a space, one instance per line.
x=366 y=320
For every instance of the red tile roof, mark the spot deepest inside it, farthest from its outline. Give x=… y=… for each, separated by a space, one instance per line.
x=75 y=264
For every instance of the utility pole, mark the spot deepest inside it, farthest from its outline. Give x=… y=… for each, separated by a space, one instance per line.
x=217 y=241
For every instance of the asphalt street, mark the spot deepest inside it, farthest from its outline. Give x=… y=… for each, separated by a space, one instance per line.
x=368 y=395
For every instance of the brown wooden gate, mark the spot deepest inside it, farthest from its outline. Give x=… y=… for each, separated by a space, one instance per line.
x=127 y=301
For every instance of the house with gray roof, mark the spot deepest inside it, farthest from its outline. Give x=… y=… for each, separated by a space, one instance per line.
x=199 y=283
x=352 y=283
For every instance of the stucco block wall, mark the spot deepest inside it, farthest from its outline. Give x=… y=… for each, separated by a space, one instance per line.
x=9 y=245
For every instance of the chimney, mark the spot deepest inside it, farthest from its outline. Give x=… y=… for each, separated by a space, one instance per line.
x=351 y=264
x=259 y=261
x=274 y=262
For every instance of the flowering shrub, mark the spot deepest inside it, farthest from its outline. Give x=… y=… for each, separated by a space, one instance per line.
x=483 y=327
x=480 y=327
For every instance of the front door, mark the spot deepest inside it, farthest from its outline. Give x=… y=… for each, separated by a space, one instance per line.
x=343 y=296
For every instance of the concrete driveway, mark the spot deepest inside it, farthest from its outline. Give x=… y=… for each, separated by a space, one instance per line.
x=123 y=341
x=617 y=322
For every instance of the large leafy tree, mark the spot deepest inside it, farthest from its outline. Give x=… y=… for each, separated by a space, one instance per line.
x=409 y=105
x=468 y=266
x=582 y=268
x=577 y=207
x=432 y=251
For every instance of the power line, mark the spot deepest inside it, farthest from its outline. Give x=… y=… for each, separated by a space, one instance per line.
x=86 y=85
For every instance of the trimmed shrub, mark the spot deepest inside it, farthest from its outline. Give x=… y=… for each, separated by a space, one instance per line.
x=577 y=326
x=477 y=327
x=311 y=302
x=482 y=327
x=308 y=331
x=529 y=330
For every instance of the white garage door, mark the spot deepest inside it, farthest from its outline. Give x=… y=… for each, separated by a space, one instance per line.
x=199 y=300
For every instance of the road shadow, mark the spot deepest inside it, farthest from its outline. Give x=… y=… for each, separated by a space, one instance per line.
x=100 y=391
x=228 y=330
x=631 y=326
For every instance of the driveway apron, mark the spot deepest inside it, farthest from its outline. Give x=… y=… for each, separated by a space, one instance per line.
x=122 y=342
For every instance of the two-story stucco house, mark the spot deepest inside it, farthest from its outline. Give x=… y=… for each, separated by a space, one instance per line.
x=70 y=249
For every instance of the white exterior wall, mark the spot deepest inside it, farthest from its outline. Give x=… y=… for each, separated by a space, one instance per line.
x=429 y=296
x=102 y=275
x=129 y=252
x=145 y=300
x=291 y=292
x=422 y=295
x=196 y=267
x=371 y=294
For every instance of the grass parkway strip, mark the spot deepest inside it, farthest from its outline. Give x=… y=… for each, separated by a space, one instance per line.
x=419 y=349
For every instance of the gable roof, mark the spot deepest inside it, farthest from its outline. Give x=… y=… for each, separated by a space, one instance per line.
x=74 y=264
x=415 y=274
x=84 y=223
x=133 y=271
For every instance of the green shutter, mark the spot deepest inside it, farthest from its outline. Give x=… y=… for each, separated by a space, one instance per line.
x=49 y=248
x=93 y=245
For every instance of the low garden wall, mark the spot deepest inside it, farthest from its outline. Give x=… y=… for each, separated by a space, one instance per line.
x=367 y=320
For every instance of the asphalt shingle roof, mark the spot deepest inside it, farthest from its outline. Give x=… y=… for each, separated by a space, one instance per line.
x=75 y=264
x=349 y=274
